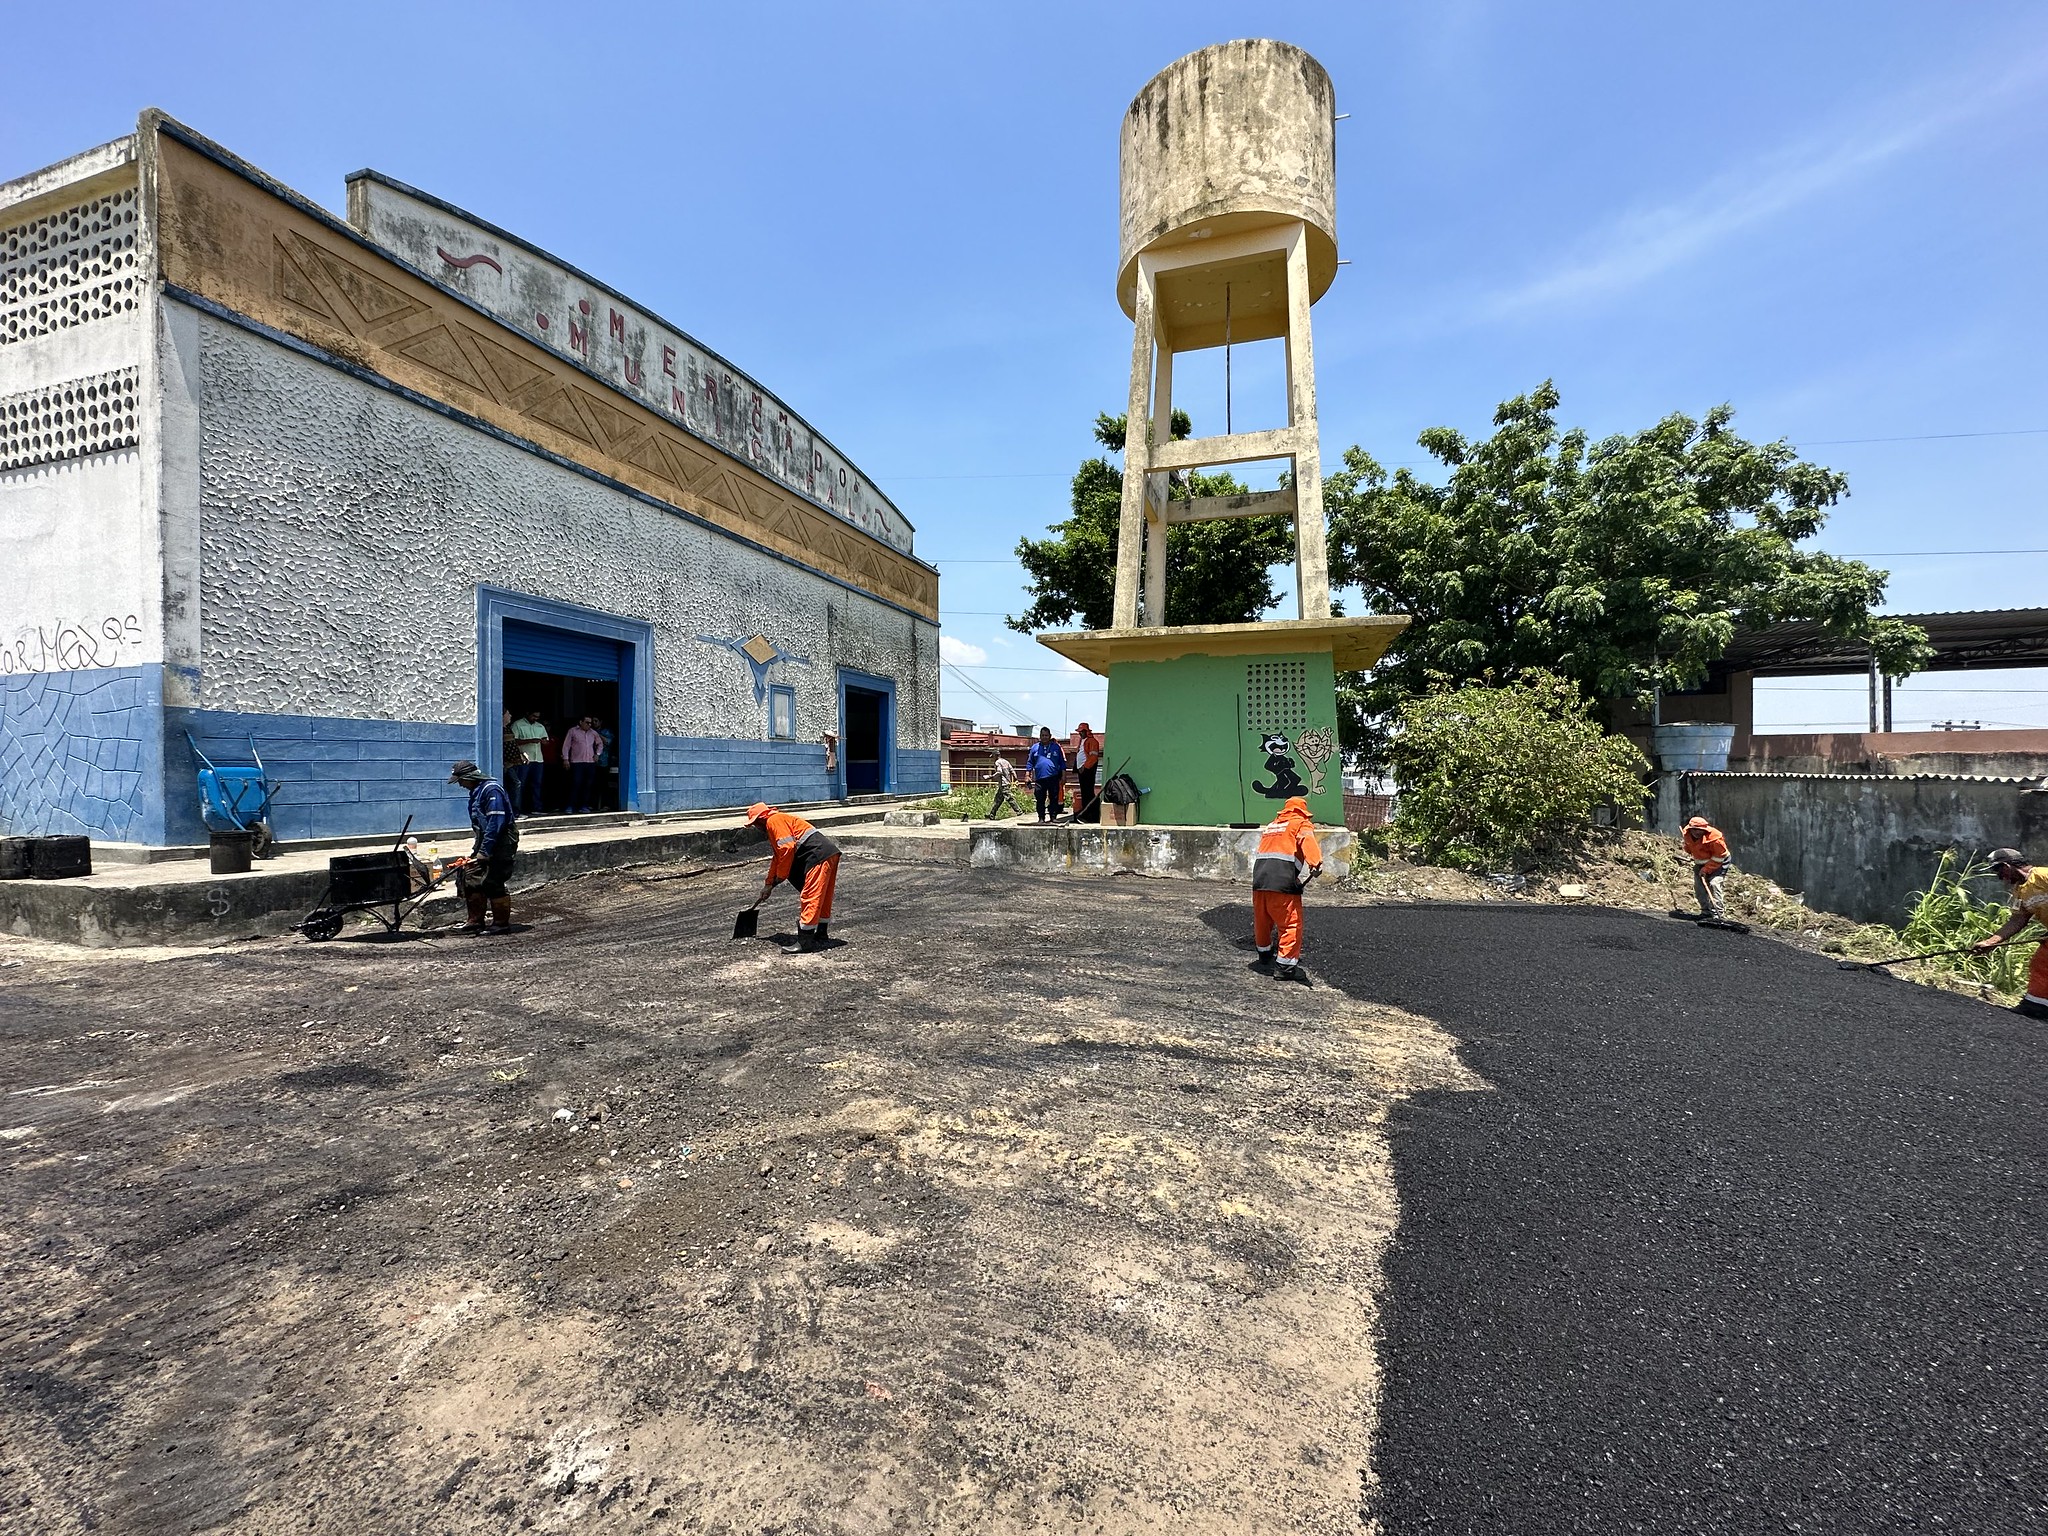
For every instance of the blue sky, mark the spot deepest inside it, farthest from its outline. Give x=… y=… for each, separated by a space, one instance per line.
x=902 y=218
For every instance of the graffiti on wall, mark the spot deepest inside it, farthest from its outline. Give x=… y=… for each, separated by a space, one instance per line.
x=1313 y=747
x=72 y=645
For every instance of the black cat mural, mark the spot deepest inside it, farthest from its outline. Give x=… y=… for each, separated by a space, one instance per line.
x=1280 y=764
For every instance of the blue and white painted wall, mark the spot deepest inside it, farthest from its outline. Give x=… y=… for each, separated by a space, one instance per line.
x=262 y=544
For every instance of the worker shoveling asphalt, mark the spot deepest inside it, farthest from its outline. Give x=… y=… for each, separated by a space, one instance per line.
x=2029 y=887
x=808 y=860
x=1708 y=850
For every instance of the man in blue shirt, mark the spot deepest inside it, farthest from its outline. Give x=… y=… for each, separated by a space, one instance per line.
x=1048 y=766
x=483 y=878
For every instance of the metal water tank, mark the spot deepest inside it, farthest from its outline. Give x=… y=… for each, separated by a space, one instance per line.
x=1235 y=137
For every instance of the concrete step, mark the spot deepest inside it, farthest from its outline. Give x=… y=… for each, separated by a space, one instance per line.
x=185 y=903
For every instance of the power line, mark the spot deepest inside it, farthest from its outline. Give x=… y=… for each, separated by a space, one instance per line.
x=1923 y=437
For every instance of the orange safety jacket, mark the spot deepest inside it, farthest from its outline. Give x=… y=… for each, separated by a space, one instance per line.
x=1288 y=850
x=1706 y=847
x=1087 y=752
x=797 y=846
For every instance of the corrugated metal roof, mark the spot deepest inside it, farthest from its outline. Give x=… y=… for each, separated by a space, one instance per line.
x=1963 y=639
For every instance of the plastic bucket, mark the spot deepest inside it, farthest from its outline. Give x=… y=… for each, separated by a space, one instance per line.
x=229 y=852
x=1692 y=748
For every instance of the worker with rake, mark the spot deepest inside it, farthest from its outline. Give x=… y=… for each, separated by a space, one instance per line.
x=1708 y=850
x=2029 y=888
x=1288 y=857
x=808 y=860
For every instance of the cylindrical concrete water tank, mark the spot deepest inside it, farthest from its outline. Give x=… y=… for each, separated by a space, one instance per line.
x=1235 y=137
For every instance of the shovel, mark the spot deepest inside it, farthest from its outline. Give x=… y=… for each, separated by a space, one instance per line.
x=1960 y=949
x=745 y=925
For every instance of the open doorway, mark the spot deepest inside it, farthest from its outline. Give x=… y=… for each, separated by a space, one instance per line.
x=864 y=739
x=562 y=701
x=566 y=677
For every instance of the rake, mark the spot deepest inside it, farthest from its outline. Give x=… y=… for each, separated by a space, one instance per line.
x=1932 y=954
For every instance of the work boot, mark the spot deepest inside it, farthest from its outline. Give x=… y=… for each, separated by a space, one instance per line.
x=501 y=913
x=2027 y=1008
x=807 y=942
x=824 y=934
x=1295 y=974
x=476 y=914
x=1264 y=964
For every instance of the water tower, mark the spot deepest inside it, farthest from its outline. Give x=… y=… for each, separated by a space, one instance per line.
x=1229 y=234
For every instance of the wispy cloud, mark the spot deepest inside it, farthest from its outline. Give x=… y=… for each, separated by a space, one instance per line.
x=1647 y=241
x=960 y=653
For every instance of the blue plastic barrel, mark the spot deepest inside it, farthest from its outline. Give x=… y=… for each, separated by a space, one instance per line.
x=1701 y=748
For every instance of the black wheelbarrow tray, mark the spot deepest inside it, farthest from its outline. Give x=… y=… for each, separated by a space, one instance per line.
x=391 y=879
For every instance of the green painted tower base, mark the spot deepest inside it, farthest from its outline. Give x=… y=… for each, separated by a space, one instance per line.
x=1220 y=724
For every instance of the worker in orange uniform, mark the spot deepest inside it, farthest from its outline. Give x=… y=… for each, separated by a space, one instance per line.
x=1708 y=850
x=2029 y=887
x=808 y=860
x=1087 y=756
x=1288 y=858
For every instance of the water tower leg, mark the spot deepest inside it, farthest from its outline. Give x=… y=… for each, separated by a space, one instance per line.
x=1156 y=491
x=1311 y=561
x=1130 y=533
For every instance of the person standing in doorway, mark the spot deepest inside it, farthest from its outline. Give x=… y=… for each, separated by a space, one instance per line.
x=581 y=750
x=1087 y=760
x=512 y=759
x=1006 y=789
x=1048 y=765
x=531 y=739
x=608 y=769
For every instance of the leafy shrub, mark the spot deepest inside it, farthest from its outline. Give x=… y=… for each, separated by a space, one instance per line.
x=1948 y=915
x=968 y=800
x=1499 y=776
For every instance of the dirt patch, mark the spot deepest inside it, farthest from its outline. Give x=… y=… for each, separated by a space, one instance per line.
x=1027 y=1209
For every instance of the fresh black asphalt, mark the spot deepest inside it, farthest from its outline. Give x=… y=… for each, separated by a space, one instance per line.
x=1734 y=1240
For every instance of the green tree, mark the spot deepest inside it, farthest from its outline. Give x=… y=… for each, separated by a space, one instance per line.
x=1495 y=776
x=1626 y=565
x=1216 y=573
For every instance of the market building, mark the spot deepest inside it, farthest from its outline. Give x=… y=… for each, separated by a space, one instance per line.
x=351 y=488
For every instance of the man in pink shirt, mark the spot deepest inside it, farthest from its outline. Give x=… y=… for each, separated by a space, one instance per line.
x=581 y=749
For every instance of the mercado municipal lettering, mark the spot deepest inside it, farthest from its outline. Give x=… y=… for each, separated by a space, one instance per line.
x=343 y=492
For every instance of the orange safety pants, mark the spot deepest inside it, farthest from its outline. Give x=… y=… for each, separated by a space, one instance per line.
x=816 y=906
x=2037 y=974
x=1277 y=914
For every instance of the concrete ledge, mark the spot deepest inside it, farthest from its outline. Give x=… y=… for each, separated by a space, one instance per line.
x=185 y=903
x=906 y=845
x=1185 y=853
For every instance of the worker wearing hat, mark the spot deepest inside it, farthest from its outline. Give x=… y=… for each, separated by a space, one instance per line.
x=808 y=860
x=1288 y=858
x=2029 y=895
x=1708 y=850
x=482 y=879
x=1087 y=761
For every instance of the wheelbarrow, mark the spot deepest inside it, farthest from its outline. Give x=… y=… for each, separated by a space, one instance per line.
x=235 y=797
x=394 y=878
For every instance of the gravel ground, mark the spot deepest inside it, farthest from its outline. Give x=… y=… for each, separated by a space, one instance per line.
x=1027 y=1209
x=1736 y=1241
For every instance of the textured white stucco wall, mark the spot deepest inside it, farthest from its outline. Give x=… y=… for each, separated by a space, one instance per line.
x=343 y=530
x=78 y=562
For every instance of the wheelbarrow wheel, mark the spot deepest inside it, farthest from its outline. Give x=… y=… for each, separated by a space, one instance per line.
x=321 y=926
x=260 y=840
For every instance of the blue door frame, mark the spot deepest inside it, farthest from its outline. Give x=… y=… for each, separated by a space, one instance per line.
x=494 y=605
x=886 y=687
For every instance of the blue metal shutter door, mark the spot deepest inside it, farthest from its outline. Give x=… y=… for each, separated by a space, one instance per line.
x=538 y=648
